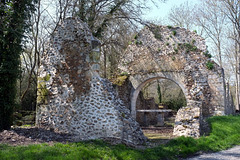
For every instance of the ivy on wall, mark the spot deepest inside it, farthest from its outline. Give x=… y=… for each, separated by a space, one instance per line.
x=13 y=16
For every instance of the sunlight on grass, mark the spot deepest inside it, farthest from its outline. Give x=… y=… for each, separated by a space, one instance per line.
x=224 y=134
x=157 y=136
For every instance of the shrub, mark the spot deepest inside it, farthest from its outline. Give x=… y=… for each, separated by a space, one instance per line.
x=174 y=33
x=209 y=65
x=207 y=54
x=189 y=47
x=193 y=41
x=175 y=104
x=156 y=31
x=176 y=50
x=138 y=42
x=136 y=36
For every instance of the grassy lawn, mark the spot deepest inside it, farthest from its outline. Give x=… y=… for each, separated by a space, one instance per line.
x=225 y=133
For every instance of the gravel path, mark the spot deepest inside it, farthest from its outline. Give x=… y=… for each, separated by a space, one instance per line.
x=230 y=154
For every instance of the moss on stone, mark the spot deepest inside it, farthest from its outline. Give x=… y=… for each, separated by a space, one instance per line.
x=94 y=56
x=45 y=78
x=120 y=80
x=43 y=92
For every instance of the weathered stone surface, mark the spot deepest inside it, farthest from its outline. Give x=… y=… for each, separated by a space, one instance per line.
x=72 y=97
x=181 y=56
x=188 y=119
x=125 y=92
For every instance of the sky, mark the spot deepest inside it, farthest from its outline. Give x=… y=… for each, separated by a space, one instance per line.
x=161 y=12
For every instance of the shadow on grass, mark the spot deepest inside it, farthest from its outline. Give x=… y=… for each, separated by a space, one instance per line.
x=180 y=147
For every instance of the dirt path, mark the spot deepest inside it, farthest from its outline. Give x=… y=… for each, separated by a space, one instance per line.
x=230 y=154
x=31 y=135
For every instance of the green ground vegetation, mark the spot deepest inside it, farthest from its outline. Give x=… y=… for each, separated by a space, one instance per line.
x=224 y=134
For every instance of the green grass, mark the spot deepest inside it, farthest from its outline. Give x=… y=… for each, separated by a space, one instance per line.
x=224 y=134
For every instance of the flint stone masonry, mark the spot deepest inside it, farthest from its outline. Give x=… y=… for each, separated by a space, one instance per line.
x=181 y=56
x=124 y=93
x=72 y=97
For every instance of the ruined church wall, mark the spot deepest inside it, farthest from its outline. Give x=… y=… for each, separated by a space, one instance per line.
x=179 y=55
x=72 y=97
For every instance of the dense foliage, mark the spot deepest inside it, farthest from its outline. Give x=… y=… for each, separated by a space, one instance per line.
x=224 y=134
x=13 y=17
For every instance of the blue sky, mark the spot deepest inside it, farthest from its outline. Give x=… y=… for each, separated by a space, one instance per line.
x=163 y=9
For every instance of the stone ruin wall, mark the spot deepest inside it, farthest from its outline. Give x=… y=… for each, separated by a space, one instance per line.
x=181 y=56
x=72 y=97
x=124 y=92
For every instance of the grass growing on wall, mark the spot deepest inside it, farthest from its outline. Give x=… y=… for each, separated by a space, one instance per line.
x=224 y=134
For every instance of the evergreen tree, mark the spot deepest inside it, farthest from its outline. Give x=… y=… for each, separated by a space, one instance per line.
x=13 y=23
x=159 y=94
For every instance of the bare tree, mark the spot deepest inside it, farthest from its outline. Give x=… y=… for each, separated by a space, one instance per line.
x=232 y=57
x=212 y=21
x=210 y=18
x=231 y=8
x=182 y=16
x=110 y=21
x=220 y=21
x=114 y=43
x=113 y=22
x=30 y=58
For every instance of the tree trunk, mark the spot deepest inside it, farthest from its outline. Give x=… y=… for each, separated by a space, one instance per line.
x=224 y=91
x=105 y=65
x=237 y=84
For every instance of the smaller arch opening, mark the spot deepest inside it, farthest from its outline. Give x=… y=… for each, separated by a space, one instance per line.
x=157 y=104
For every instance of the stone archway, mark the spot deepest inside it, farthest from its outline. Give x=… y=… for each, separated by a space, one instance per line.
x=74 y=99
x=148 y=80
x=181 y=56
